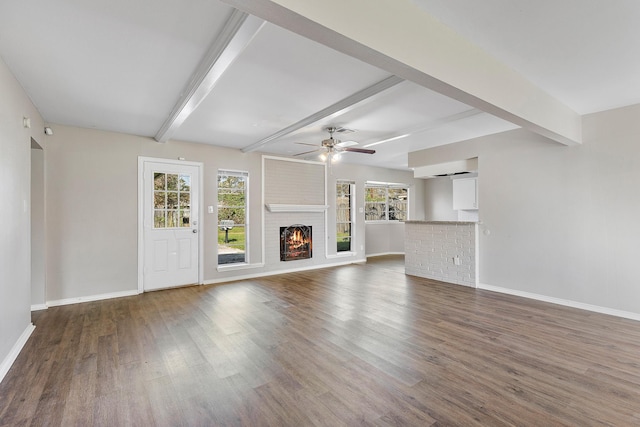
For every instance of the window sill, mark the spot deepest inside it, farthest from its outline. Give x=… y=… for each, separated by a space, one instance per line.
x=341 y=255
x=243 y=266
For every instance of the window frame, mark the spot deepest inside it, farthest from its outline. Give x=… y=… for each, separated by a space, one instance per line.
x=245 y=175
x=352 y=217
x=386 y=186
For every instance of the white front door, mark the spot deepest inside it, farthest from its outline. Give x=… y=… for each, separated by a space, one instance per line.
x=170 y=224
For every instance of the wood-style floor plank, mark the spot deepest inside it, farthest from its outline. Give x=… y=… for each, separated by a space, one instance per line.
x=352 y=345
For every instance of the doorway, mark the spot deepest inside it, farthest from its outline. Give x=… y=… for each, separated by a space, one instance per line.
x=169 y=242
x=38 y=238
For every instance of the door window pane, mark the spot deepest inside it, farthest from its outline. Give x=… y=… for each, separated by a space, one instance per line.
x=185 y=200
x=185 y=183
x=172 y=219
x=158 y=200
x=172 y=181
x=171 y=200
x=159 y=219
x=159 y=181
x=186 y=218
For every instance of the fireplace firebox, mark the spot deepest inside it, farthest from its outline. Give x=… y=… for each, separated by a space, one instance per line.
x=295 y=242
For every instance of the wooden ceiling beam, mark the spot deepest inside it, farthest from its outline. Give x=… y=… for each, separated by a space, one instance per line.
x=237 y=33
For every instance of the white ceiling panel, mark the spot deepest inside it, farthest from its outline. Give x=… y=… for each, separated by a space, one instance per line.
x=123 y=65
x=279 y=79
x=420 y=117
x=394 y=153
x=583 y=52
x=118 y=65
x=397 y=109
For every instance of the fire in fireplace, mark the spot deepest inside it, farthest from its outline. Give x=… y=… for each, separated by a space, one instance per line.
x=295 y=242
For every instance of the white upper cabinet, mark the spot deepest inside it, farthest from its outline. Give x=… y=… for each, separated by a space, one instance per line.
x=465 y=194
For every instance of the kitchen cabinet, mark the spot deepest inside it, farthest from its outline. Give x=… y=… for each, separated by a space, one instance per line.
x=465 y=194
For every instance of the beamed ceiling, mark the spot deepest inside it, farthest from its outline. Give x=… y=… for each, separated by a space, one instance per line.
x=266 y=75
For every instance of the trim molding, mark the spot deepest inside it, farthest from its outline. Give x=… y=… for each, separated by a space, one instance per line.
x=274 y=273
x=90 y=298
x=346 y=254
x=236 y=267
x=275 y=207
x=564 y=302
x=384 y=253
x=37 y=307
x=141 y=165
x=15 y=351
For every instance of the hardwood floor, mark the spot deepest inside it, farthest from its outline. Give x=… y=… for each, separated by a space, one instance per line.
x=352 y=345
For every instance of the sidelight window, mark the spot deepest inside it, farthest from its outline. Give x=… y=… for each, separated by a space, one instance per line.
x=344 y=215
x=232 y=216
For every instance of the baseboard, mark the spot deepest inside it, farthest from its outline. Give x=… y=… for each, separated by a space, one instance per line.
x=384 y=253
x=15 y=351
x=38 y=307
x=274 y=273
x=341 y=255
x=89 y=298
x=236 y=267
x=564 y=302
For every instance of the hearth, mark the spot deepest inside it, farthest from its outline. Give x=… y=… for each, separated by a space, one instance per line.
x=295 y=242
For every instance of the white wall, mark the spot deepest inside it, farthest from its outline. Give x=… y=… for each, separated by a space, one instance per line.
x=91 y=206
x=384 y=238
x=376 y=237
x=15 y=237
x=562 y=222
x=294 y=183
x=439 y=199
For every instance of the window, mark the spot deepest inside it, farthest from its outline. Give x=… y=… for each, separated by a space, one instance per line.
x=385 y=202
x=171 y=200
x=232 y=216
x=344 y=215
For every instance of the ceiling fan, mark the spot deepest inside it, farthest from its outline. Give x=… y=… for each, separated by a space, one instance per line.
x=331 y=148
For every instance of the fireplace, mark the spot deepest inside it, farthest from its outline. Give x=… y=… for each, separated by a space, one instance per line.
x=295 y=242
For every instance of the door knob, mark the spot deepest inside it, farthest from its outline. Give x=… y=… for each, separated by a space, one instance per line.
x=195 y=231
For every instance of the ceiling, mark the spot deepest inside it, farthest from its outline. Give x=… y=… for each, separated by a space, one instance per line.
x=126 y=66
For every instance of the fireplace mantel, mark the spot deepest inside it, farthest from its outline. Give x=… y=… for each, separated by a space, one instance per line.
x=277 y=207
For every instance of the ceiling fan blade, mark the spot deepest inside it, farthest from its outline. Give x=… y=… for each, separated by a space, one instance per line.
x=307 y=152
x=358 y=150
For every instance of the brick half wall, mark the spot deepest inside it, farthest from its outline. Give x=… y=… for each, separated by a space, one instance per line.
x=442 y=251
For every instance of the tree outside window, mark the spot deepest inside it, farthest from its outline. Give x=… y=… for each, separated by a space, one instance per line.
x=343 y=216
x=385 y=202
x=232 y=216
